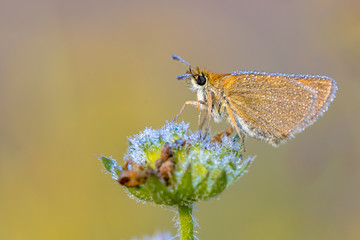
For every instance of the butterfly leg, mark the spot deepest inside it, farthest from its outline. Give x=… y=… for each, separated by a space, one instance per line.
x=209 y=112
x=202 y=123
x=231 y=115
x=199 y=111
x=201 y=126
x=183 y=108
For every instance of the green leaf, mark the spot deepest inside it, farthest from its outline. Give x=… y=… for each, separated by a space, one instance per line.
x=158 y=191
x=117 y=171
x=108 y=163
x=219 y=185
x=185 y=188
x=139 y=192
x=202 y=187
x=111 y=166
x=245 y=164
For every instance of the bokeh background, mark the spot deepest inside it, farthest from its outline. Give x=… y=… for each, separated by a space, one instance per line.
x=77 y=77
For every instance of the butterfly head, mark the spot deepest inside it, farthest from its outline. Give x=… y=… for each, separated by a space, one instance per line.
x=196 y=78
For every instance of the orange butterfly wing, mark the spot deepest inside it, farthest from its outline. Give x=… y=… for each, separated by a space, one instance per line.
x=274 y=107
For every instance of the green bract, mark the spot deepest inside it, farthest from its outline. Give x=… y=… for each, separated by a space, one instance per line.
x=174 y=166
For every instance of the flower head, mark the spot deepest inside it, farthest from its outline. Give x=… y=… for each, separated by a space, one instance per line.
x=174 y=166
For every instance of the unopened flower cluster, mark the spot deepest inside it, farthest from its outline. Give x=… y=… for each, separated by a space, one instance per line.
x=175 y=166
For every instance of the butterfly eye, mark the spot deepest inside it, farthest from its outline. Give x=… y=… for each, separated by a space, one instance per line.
x=201 y=80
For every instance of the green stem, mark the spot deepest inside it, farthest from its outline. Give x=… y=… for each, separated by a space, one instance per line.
x=186 y=223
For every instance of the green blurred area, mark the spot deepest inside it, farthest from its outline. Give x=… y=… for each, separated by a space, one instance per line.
x=78 y=77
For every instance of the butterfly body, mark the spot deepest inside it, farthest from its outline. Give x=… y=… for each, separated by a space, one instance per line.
x=272 y=107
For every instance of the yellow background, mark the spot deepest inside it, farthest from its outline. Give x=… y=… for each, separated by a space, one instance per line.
x=78 y=77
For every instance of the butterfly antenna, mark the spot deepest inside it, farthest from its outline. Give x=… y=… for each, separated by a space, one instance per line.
x=189 y=74
x=175 y=57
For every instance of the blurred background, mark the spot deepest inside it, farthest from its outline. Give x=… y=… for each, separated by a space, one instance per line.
x=78 y=77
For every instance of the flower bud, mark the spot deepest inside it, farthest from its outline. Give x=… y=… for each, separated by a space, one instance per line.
x=174 y=166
